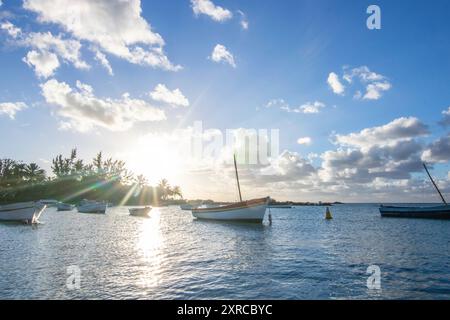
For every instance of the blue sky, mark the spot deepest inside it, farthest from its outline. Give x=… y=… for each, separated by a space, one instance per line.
x=286 y=55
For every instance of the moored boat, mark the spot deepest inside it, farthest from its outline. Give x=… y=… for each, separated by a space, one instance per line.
x=140 y=212
x=432 y=212
x=243 y=211
x=65 y=207
x=435 y=212
x=28 y=212
x=89 y=206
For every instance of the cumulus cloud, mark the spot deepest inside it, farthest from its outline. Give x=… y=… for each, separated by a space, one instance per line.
x=175 y=97
x=335 y=84
x=304 y=141
x=117 y=27
x=438 y=151
x=47 y=50
x=44 y=63
x=307 y=108
x=82 y=111
x=207 y=7
x=221 y=54
x=374 y=84
x=11 y=29
x=11 y=108
x=400 y=129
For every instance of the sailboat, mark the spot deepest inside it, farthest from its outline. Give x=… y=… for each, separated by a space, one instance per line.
x=433 y=212
x=243 y=211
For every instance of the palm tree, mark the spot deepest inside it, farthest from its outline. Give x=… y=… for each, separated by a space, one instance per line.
x=164 y=188
x=176 y=191
x=33 y=173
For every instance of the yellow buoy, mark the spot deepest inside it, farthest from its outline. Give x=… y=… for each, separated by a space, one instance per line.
x=328 y=214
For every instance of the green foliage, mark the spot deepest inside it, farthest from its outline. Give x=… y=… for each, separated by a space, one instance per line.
x=73 y=180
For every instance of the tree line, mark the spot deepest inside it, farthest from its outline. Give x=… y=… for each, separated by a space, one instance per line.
x=73 y=180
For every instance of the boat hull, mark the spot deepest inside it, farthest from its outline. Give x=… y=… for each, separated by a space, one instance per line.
x=65 y=207
x=248 y=211
x=99 y=208
x=22 y=212
x=437 y=212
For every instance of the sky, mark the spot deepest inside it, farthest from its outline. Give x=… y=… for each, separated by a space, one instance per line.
x=357 y=110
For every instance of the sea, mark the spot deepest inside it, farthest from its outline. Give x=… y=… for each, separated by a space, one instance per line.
x=170 y=255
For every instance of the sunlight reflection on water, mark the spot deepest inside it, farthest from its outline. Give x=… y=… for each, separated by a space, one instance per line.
x=170 y=255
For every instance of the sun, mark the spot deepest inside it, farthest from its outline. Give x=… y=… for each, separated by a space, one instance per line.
x=156 y=158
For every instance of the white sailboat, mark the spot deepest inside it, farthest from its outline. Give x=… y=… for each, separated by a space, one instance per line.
x=245 y=211
x=28 y=212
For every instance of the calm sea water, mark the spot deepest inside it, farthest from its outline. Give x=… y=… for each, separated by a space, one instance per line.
x=173 y=256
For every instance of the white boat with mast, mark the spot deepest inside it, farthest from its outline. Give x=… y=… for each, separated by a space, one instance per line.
x=28 y=212
x=244 y=211
x=432 y=212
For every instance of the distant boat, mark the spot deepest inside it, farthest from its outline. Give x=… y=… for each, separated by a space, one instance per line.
x=140 y=212
x=245 y=211
x=186 y=207
x=280 y=206
x=28 y=212
x=89 y=206
x=65 y=207
x=432 y=212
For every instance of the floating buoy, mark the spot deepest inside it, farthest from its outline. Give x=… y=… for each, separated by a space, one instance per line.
x=328 y=214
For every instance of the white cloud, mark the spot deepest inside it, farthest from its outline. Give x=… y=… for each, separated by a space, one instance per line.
x=100 y=57
x=244 y=21
x=116 y=26
x=221 y=54
x=44 y=63
x=207 y=7
x=374 y=84
x=304 y=141
x=11 y=29
x=335 y=84
x=446 y=118
x=175 y=97
x=82 y=111
x=438 y=151
x=307 y=108
x=374 y=90
x=11 y=108
x=400 y=129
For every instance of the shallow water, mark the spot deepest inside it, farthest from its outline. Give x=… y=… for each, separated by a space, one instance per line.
x=172 y=256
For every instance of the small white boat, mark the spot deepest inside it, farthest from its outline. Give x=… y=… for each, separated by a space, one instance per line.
x=28 y=212
x=65 y=207
x=243 y=211
x=186 y=207
x=89 y=206
x=140 y=212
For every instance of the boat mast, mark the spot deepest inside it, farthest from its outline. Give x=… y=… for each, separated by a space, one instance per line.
x=429 y=175
x=237 y=177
